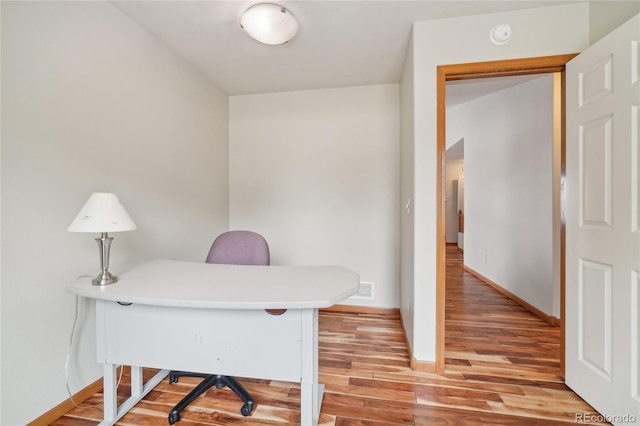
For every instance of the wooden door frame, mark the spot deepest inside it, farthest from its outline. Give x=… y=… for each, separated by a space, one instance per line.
x=539 y=65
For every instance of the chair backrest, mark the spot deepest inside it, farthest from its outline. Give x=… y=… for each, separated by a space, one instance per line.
x=239 y=248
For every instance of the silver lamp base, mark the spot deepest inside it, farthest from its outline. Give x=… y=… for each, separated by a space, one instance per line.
x=104 y=278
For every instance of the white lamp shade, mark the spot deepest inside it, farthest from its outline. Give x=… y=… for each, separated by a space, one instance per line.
x=103 y=212
x=269 y=23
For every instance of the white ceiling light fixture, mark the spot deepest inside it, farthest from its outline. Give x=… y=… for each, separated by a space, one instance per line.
x=269 y=23
x=500 y=34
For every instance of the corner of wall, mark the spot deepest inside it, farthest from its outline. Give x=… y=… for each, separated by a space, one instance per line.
x=407 y=121
x=604 y=17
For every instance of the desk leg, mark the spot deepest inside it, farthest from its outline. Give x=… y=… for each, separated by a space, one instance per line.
x=136 y=381
x=109 y=392
x=113 y=412
x=310 y=390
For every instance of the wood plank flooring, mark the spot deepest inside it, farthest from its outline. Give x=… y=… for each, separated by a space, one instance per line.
x=502 y=368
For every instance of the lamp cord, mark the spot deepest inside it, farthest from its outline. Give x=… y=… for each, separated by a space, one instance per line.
x=69 y=356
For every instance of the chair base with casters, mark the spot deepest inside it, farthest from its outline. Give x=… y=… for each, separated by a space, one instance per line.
x=217 y=380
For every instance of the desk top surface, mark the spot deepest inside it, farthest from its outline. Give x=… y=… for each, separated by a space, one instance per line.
x=205 y=285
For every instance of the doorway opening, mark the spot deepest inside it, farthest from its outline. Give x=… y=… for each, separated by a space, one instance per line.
x=541 y=65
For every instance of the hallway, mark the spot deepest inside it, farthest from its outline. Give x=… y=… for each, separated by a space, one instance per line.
x=491 y=339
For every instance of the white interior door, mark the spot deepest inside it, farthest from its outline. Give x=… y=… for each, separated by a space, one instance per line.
x=603 y=225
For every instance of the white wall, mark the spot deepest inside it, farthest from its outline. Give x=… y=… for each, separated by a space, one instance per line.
x=454 y=41
x=509 y=190
x=91 y=102
x=317 y=173
x=0 y=214
x=606 y=15
x=406 y=193
x=453 y=170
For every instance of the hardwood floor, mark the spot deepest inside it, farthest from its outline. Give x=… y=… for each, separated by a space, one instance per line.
x=502 y=368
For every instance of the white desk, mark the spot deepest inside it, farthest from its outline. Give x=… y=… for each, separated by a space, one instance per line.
x=211 y=319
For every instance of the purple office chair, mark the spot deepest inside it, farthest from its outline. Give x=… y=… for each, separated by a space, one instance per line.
x=235 y=248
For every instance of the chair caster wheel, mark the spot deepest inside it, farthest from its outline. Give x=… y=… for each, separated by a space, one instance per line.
x=246 y=409
x=172 y=378
x=174 y=416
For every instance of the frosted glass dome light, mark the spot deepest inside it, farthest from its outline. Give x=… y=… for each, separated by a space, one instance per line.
x=269 y=23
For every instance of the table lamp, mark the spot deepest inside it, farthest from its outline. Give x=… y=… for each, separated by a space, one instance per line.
x=103 y=213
